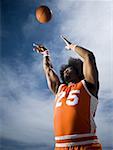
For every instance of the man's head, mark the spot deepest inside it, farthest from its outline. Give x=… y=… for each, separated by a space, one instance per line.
x=72 y=72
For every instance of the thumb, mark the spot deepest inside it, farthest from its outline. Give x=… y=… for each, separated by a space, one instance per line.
x=67 y=47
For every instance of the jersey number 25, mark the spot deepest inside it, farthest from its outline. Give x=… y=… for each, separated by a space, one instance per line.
x=71 y=100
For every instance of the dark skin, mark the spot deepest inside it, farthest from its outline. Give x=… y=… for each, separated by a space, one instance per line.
x=70 y=75
x=89 y=70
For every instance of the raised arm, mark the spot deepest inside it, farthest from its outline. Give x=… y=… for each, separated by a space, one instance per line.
x=51 y=76
x=89 y=67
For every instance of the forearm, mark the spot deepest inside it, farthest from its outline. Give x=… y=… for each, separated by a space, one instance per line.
x=84 y=53
x=48 y=69
x=47 y=65
x=51 y=76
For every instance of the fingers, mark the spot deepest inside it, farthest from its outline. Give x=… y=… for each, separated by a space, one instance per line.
x=37 y=47
x=65 y=40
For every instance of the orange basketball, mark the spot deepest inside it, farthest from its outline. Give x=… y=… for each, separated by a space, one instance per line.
x=43 y=14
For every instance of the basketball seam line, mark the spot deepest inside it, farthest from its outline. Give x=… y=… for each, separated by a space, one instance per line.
x=42 y=13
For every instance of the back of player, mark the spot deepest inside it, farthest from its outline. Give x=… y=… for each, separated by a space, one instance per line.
x=74 y=125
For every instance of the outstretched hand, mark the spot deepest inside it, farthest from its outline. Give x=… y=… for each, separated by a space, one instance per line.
x=39 y=48
x=69 y=45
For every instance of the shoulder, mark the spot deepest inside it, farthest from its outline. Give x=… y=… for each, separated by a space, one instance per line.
x=90 y=88
x=60 y=87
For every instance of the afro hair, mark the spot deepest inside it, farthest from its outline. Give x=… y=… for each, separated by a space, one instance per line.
x=76 y=64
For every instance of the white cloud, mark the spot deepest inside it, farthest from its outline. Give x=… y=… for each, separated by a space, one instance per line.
x=104 y=118
x=27 y=110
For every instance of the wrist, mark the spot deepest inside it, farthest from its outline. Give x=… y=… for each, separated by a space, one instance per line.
x=73 y=46
x=45 y=53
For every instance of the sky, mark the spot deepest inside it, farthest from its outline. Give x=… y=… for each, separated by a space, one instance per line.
x=26 y=104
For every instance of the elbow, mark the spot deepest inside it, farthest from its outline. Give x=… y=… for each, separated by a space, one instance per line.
x=90 y=56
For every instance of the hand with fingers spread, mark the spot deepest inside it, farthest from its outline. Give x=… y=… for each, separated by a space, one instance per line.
x=39 y=48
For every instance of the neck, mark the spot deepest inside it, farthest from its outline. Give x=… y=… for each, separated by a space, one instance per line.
x=74 y=81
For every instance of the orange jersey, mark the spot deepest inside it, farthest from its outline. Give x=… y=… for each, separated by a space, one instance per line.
x=74 y=110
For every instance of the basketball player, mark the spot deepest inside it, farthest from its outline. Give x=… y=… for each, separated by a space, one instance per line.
x=76 y=99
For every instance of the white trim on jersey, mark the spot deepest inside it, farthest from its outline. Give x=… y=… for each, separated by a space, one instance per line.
x=93 y=107
x=74 y=136
x=76 y=143
x=59 y=89
x=60 y=86
x=84 y=84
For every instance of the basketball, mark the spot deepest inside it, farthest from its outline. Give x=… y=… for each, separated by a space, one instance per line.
x=43 y=14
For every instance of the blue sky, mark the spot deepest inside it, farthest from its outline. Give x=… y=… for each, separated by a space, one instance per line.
x=26 y=104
